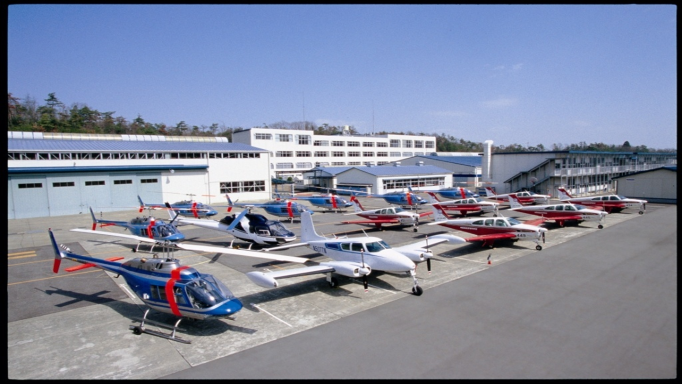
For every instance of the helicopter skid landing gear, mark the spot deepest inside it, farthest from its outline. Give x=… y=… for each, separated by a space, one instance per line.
x=140 y=329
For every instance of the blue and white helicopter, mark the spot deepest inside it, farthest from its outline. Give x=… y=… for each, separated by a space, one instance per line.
x=403 y=199
x=189 y=208
x=277 y=207
x=163 y=285
x=455 y=193
x=144 y=229
x=329 y=201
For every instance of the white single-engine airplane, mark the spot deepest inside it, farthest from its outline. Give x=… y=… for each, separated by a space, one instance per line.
x=355 y=257
x=247 y=226
x=488 y=230
x=466 y=206
x=525 y=197
x=609 y=203
x=560 y=213
x=387 y=215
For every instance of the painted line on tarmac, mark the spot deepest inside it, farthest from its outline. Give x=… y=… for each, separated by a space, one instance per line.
x=275 y=317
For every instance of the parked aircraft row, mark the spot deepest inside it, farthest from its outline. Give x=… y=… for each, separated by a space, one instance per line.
x=166 y=286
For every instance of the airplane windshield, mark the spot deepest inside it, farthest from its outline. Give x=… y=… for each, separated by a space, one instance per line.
x=579 y=207
x=513 y=221
x=207 y=291
x=384 y=244
x=277 y=229
x=398 y=210
x=374 y=247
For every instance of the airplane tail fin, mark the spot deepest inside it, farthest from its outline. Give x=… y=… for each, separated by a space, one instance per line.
x=439 y=213
x=433 y=199
x=489 y=192
x=58 y=255
x=356 y=204
x=229 y=203
x=95 y=221
x=308 y=232
x=514 y=201
x=563 y=194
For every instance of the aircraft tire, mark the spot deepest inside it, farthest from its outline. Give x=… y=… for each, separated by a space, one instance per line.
x=137 y=330
x=415 y=229
x=641 y=212
x=334 y=283
x=600 y=226
x=417 y=291
x=538 y=247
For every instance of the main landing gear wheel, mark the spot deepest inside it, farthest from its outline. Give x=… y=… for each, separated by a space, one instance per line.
x=417 y=291
x=137 y=330
x=600 y=226
x=414 y=229
x=641 y=212
x=538 y=247
x=334 y=282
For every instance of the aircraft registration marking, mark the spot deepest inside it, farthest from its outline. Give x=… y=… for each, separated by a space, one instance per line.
x=319 y=249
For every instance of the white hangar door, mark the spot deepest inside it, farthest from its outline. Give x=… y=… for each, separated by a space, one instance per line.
x=95 y=192
x=124 y=192
x=29 y=197
x=63 y=195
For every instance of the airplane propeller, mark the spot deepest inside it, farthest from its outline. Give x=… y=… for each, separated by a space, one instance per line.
x=428 y=261
x=364 y=277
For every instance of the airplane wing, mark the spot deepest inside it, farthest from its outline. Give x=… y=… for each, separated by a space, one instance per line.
x=115 y=234
x=540 y=220
x=369 y=221
x=241 y=252
x=286 y=246
x=345 y=268
x=492 y=236
x=430 y=242
x=425 y=213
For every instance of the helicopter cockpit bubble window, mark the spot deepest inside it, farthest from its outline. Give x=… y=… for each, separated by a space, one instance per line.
x=207 y=291
x=277 y=229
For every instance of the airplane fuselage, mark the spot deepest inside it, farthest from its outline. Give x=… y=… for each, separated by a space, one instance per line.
x=371 y=251
x=489 y=226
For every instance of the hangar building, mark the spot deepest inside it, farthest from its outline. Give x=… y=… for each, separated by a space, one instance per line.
x=655 y=185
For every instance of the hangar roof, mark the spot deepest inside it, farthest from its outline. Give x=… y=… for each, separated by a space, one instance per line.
x=121 y=145
x=404 y=170
x=672 y=168
x=474 y=161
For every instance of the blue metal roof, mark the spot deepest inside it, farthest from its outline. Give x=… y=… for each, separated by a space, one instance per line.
x=33 y=145
x=474 y=161
x=332 y=171
x=672 y=168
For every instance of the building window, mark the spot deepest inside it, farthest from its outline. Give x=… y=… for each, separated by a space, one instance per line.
x=382 y=144
x=302 y=153
x=91 y=183
x=283 y=137
x=430 y=144
x=407 y=154
x=242 y=186
x=395 y=154
x=321 y=154
x=303 y=139
x=263 y=136
x=338 y=163
x=338 y=154
x=382 y=162
x=419 y=143
x=304 y=165
x=407 y=143
x=354 y=163
x=367 y=154
x=353 y=143
x=64 y=184
x=338 y=143
x=322 y=164
x=368 y=163
x=284 y=166
x=368 y=144
x=149 y=181
x=284 y=154
x=353 y=154
x=30 y=185
x=122 y=182
x=382 y=154
x=321 y=143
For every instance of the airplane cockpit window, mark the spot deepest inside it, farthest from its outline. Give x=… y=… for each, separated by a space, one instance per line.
x=617 y=198
x=560 y=208
x=477 y=222
x=500 y=223
x=357 y=247
x=399 y=209
x=345 y=247
x=489 y=222
x=374 y=247
x=579 y=207
x=513 y=221
x=569 y=208
x=550 y=208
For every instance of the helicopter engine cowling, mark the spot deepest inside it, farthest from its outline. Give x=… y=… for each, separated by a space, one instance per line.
x=349 y=269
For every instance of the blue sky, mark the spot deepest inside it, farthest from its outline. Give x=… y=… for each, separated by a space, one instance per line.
x=521 y=74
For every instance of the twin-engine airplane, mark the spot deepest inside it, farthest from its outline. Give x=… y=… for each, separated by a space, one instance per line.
x=560 y=213
x=277 y=207
x=246 y=226
x=329 y=202
x=488 y=230
x=466 y=206
x=388 y=215
x=609 y=203
x=525 y=197
x=354 y=257
x=142 y=229
x=189 y=208
x=163 y=285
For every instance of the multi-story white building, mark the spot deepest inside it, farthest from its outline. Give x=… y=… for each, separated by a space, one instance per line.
x=293 y=152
